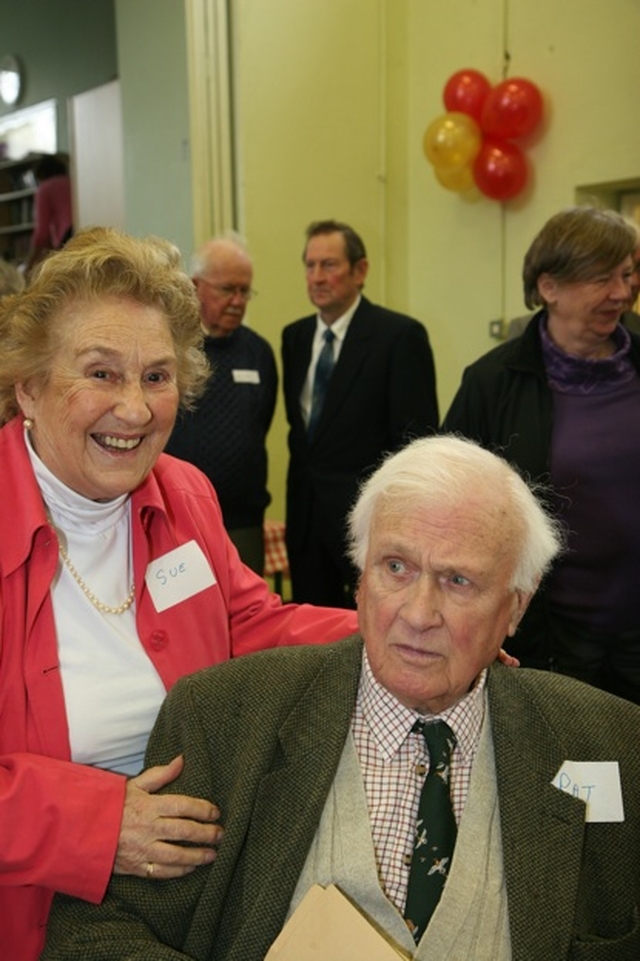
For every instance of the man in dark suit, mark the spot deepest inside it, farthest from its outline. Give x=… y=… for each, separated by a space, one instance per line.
x=381 y=393
x=316 y=761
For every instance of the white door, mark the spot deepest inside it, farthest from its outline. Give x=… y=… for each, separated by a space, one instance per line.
x=97 y=157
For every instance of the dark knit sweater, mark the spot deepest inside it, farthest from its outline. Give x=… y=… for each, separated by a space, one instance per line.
x=225 y=436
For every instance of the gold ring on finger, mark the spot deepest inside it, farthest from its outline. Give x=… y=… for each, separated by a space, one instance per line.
x=149 y=871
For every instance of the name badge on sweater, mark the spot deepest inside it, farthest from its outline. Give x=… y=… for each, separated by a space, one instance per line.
x=597 y=783
x=178 y=575
x=246 y=376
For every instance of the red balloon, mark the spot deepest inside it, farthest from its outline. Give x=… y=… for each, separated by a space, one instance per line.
x=512 y=109
x=466 y=92
x=500 y=170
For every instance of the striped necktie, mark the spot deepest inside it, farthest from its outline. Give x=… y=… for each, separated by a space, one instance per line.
x=324 y=369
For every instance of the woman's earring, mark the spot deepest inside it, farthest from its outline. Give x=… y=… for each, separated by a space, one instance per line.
x=28 y=423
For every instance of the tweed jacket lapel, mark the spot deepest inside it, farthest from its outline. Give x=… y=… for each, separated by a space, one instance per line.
x=293 y=793
x=537 y=821
x=291 y=796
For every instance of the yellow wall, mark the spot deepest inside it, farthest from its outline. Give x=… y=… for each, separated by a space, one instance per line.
x=583 y=54
x=333 y=97
x=311 y=134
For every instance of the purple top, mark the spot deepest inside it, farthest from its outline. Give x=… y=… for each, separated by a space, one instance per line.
x=595 y=472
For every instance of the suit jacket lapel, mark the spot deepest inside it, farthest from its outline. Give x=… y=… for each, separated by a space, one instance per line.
x=353 y=355
x=302 y=350
x=542 y=827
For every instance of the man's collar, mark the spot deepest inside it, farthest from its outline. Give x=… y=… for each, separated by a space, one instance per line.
x=390 y=721
x=340 y=325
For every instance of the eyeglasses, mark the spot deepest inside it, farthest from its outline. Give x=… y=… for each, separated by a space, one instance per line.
x=231 y=290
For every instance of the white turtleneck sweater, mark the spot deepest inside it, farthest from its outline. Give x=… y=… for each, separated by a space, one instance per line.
x=112 y=690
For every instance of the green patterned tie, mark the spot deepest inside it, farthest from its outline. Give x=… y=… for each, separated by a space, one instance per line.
x=435 y=830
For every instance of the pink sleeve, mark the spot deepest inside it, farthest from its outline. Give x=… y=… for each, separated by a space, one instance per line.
x=59 y=824
x=258 y=619
x=42 y=216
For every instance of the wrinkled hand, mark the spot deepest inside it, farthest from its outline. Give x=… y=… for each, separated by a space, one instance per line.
x=150 y=823
x=507 y=659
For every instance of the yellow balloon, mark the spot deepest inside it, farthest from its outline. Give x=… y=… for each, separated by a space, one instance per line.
x=458 y=179
x=452 y=140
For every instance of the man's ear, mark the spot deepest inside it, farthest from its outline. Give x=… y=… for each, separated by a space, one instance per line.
x=521 y=603
x=360 y=271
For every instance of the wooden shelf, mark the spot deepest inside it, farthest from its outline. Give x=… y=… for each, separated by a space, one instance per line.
x=17 y=191
x=17 y=229
x=17 y=194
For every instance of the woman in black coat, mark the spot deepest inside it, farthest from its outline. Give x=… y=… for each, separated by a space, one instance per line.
x=562 y=402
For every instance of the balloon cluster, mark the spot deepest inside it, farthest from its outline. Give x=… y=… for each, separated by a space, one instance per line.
x=472 y=144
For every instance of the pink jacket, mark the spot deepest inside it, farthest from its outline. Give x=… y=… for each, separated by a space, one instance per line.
x=52 y=212
x=59 y=821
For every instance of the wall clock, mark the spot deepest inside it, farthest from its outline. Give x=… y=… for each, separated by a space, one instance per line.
x=10 y=80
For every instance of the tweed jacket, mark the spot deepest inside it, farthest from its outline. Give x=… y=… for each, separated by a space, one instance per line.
x=263 y=736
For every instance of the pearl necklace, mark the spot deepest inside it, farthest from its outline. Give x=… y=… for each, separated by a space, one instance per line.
x=86 y=590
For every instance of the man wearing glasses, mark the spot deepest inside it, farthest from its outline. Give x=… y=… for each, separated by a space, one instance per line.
x=225 y=435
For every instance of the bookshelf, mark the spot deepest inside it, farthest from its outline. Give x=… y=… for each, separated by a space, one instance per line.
x=17 y=190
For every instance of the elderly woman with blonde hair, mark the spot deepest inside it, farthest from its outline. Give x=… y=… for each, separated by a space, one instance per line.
x=116 y=577
x=11 y=280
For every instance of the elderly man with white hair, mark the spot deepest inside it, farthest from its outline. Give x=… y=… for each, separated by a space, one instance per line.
x=319 y=758
x=225 y=435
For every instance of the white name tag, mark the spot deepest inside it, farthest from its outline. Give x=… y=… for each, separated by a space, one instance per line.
x=246 y=376
x=178 y=575
x=597 y=783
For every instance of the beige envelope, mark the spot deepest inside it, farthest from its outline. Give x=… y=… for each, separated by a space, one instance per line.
x=326 y=926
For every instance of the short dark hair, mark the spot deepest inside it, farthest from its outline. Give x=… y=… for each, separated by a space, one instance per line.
x=576 y=244
x=49 y=165
x=353 y=244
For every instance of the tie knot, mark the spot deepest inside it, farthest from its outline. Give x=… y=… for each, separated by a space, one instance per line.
x=328 y=336
x=440 y=739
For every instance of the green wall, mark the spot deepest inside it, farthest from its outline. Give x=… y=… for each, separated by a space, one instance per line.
x=65 y=47
x=155 y=116
x=70 y=46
